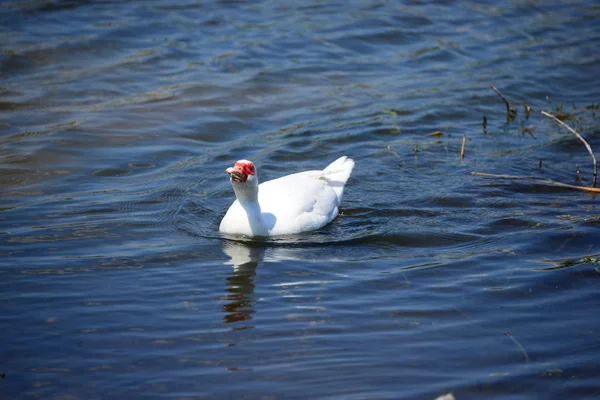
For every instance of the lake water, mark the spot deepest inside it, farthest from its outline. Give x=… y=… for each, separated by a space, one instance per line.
x=118 y=120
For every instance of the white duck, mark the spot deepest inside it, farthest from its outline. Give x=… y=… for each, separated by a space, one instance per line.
x=291 y=204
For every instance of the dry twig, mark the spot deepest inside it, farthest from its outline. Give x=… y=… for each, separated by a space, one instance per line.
x=518 y=345
x=585 y=143
x=389 y=148
x=527 y=108
x=462 y=148
x=539 y=180
x=511 y=112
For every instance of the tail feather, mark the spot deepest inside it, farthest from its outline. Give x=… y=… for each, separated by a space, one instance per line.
x=337 y=174
x=339 y=170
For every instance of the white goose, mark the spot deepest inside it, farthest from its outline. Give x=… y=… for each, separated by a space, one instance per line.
x=291 y=204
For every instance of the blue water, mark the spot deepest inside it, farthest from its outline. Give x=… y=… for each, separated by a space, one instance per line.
x=118 y=119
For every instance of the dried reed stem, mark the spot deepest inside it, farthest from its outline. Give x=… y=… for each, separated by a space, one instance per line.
x=539 y=180
x=518 y=345
x=389 y=148
x=585 y=143
x=511 y=112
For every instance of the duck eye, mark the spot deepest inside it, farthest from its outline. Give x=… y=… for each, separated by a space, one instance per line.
x=252 y=168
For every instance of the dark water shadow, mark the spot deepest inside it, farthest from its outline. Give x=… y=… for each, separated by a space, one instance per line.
x=244 y=258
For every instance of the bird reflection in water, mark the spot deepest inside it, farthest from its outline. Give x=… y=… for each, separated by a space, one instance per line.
x=244 y=257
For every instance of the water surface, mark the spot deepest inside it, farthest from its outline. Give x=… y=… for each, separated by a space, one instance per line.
x=119 y=118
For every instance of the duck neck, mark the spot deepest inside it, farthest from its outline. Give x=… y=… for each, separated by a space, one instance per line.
x=248 y=197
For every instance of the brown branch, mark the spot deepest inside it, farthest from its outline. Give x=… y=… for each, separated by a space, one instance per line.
x=539 y=180
x=585 y=143
x=511 y=112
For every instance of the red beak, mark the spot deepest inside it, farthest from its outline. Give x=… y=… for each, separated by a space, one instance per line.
x=236 y=174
